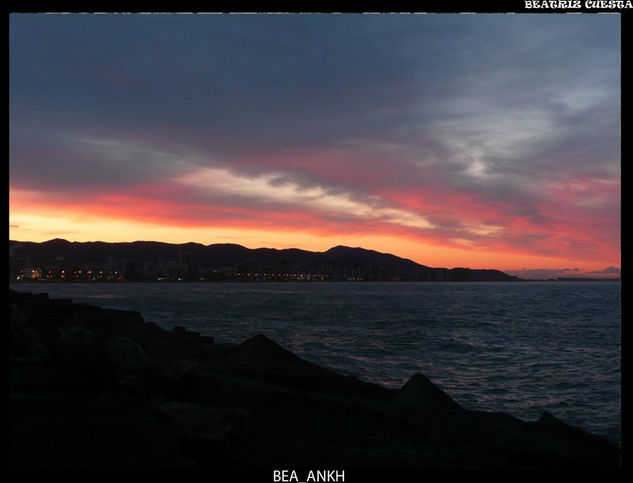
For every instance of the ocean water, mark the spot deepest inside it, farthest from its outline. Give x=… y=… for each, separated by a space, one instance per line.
x=520 y=347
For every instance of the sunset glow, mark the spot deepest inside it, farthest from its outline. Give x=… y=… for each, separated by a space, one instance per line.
x=450 y=140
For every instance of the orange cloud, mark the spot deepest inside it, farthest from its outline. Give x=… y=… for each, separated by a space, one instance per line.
x=143 y=215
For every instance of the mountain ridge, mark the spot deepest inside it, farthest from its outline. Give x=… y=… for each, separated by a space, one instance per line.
x=345 y=262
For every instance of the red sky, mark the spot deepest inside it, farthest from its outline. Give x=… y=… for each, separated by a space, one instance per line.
x=451 y=140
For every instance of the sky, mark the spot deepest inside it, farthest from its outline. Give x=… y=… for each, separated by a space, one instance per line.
x=481 y=141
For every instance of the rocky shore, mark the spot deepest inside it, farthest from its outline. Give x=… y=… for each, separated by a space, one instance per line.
x=93 y=388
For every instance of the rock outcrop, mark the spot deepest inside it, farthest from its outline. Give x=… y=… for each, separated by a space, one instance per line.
x=103 y=389
x=421 y=394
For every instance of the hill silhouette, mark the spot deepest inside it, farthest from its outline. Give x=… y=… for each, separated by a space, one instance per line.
x=340 y=262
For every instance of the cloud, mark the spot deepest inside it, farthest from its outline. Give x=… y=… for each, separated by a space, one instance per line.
x=607 y=271
x=440 y=127
x=548 y=273
x=279 y=190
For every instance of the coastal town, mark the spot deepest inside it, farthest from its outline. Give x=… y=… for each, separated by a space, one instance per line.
x=140 y=261
x=62 y=269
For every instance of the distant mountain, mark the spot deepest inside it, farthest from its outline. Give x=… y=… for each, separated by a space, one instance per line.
x=339 y=262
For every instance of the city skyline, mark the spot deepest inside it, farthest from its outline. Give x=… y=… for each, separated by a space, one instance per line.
x=486 y=141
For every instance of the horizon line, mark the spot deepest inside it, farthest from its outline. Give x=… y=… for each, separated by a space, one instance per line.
x=591 y=276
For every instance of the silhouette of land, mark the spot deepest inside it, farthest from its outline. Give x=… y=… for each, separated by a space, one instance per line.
x=94 y=388
x=144 y=260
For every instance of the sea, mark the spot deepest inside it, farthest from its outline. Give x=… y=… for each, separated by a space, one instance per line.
x=515 y=347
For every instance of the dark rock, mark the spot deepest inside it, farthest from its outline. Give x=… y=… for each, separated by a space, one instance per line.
x=549 y=423
x=155 y=327
x=202 y=421
x=125 y=394
x=28 y=342
x=81 y=354
x=420 y=393
x=124 y=355
x=262 y=349
x=263 y=358
x=75 y=431
x=181 y=367
x=108 y=321
x=208 y=435
x=547 y=419
x=76 y=345
x=17 y=319
x=165 y=347
x=181 y=334
x=34 y=375
x=40 y=298
x=61 y=302
x=165 y=380
x=153 y=383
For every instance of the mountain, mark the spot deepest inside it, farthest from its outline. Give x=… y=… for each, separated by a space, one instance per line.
x=338 y=263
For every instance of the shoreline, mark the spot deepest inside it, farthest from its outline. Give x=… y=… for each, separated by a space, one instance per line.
x=123 y=393
x=246 y=281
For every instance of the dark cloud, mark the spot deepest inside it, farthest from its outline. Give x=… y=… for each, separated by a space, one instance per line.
x=276 y=80
x=607 y=271
x=499 y=108
x=548 y=273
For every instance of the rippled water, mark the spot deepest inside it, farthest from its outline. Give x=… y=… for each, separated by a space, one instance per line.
x=520 y=347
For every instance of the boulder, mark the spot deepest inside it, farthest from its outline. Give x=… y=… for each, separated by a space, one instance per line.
x=165 y=347
x=208 y=435
x=202 y=421
x=27 y=342
x=420 y=393
x=551 y=424
x=17 y=319
x=76 y=345
x=125 y=355
x=547 y=419
x=262 y=349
